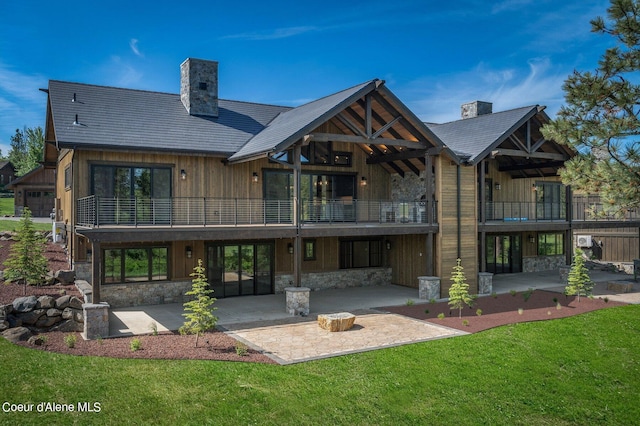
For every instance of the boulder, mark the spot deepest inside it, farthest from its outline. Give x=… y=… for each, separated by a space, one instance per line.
x=63 y=302
x=18 y=334
x=46 y=322
x=32 y=317
x=75 y=303
x=66 y=277
x=341 y=321
x=54 y=312
x=68 y=326
x=78 y=316
x=14 y=321
x=45 y=302
x=4 y=324
x=37 y=340
x=25 y=304
x=67 y=313
x=5 y=311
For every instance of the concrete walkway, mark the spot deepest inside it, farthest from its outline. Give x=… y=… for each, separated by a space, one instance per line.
x=263 y=323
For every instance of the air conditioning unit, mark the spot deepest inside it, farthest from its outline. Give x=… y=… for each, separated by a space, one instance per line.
x=583 y=241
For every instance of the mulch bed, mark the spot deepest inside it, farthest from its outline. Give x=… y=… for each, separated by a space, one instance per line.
x=504 y=309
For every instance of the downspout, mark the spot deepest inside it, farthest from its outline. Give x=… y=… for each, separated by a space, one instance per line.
x=459 y=210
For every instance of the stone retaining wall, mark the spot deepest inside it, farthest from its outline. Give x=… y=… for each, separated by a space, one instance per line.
x=45 y=312
x=146 y=293
x=543 y=263
x=343 y=278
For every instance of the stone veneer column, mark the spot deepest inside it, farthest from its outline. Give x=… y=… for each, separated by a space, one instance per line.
x=485 y=282
x=297 y=300
x=428 y=288
x=96 y=320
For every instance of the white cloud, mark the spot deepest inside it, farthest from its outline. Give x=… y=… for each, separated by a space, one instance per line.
x=438 y=98
x=509 y=5
x=133 y=44
x=274 y=34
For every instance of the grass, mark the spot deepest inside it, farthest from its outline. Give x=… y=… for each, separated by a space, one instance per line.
x=577 y=370
x=11 y=225
x=6 y=206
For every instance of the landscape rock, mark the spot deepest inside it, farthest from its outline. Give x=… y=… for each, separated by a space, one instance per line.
x=67 y=313
x=32 y=317
x=54 y=312
x=66 y=277
x=5 y=311
x=37 y=340
x=45 y=302
x=75 y=303
x=68 y=326
x=24 y=304
x=18 y=334
x=14 y=321
x=4 y=324
x=63 y=302
x=341 y=321
x=46 y=322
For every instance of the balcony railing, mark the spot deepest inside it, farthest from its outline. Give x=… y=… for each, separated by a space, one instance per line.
x=553 y=212
x=95 y=211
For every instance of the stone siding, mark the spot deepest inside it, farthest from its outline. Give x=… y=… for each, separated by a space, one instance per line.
x=361 y=277
x=83 y=271
x=408 y=188
x=543 y=263
x=136 y=294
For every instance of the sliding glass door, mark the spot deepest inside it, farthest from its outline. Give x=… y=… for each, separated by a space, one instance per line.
x=504 y=254
x=240 y=269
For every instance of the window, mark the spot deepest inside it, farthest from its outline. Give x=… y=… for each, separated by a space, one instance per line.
x=130 y=182
x=318 y=153
x=67 y=177
x=550 y=244
x=309 y=249
x=360 y=254
x=122 y=265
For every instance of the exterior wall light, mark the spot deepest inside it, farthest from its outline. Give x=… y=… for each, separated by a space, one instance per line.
x=183 y=174
x=255 y=177
x=188 y=252
x=498 y=187
x=532 y=239
x=290 y=248
x=363 y=181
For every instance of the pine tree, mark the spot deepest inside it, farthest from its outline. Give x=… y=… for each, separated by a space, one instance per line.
x=600 y=121
x=26 y=262
x=199 y=311
x=459 y=290
x=579 y=282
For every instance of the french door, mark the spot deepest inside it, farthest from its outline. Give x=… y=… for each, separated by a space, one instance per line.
x=235 y=269
x=504 y=253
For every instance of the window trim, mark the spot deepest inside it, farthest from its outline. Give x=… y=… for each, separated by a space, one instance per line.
x=313 y=245
x=543 y=244
x=351 y=241
x=67 y=177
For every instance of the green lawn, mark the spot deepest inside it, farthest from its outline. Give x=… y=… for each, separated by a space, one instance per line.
x=578 y=370
x=11 y=225
x=6 y=206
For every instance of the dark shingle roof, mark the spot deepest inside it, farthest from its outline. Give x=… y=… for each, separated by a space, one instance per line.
x=474 y=137
x=290 y=125
x=126 y=118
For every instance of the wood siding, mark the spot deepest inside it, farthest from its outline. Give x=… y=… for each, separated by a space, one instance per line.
x=618 y=245
x=407 y=258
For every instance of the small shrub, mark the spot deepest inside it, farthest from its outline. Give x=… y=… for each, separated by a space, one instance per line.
x=441 y=315
x=558 y=306
x=70 y=340
x=555 y=300
x=494 y=295
x=135 y=345
x=432 y=300
x=465 y=323
x=154 y=328
x=426 y=311
x=409 y=302
x=527 y=294
x=548 y=312
x=479 y=312
x=520 y=311
x=241 y=349
x=513 y=292
x=606 y=300
x=99 y=340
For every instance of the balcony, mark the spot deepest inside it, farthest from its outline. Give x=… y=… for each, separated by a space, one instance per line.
x=97 y=212
x=582 y=211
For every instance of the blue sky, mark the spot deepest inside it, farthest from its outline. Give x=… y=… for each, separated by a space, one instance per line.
x=433 y=55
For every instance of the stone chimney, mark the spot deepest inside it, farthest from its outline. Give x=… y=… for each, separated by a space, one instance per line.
x=199 y=87
x=475 y=108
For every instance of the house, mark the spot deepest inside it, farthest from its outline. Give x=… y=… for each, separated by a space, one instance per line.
x=350 y=189
x=7 y=173
x=34 y=190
